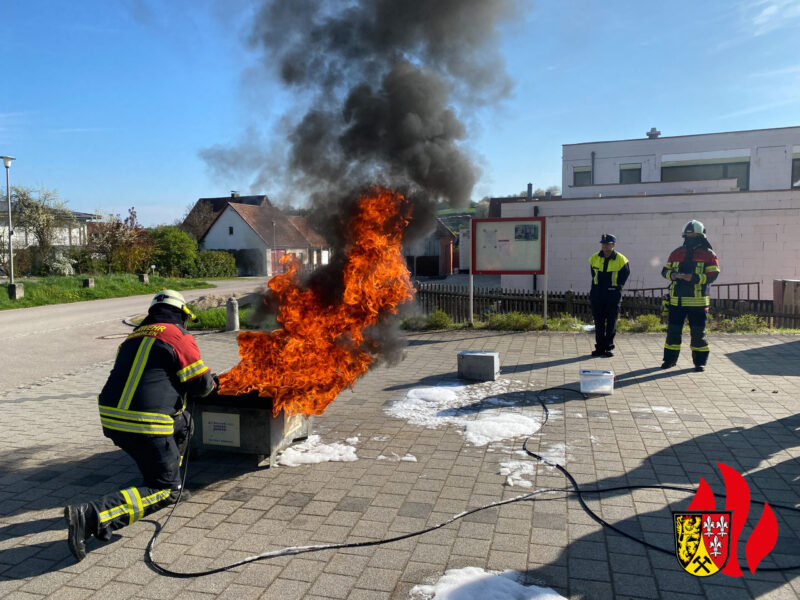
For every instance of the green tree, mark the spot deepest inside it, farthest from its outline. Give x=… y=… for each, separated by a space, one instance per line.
x=121 y=243
x=174 y=251
x=44 y=216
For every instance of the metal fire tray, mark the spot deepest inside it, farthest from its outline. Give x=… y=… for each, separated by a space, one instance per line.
x=245 y=425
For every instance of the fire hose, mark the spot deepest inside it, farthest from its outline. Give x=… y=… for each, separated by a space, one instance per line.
x=574 y=489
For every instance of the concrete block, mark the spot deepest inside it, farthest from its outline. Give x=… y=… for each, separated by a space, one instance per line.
x=88 y=282
x=478 y=365
x=16 y=291
x=144 y=278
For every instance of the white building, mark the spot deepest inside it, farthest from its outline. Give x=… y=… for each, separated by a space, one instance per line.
x=260 y=235
x=743 y=185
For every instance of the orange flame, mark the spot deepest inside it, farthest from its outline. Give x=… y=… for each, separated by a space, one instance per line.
x=320 y=348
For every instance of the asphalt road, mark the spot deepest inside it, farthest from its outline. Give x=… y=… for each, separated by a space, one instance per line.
x=44 y=342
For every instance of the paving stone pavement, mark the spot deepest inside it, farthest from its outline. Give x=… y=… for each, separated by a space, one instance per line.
x=659 y=427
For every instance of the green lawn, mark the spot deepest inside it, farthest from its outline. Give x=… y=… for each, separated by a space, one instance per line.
x=59 y=290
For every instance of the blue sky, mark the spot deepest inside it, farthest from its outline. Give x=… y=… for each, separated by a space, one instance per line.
x=111 y=101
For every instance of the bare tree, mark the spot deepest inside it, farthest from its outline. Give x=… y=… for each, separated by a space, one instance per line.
x=42 y=214
x=197 y=220
x=116 y=240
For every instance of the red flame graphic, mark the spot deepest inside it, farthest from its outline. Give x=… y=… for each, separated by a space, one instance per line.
x=737 y=499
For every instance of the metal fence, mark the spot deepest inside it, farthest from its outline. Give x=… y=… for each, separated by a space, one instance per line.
x=454 y=300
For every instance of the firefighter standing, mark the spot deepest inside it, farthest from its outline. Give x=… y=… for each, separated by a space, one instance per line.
x=692 y=268
x=143 y=410
x=610 y=271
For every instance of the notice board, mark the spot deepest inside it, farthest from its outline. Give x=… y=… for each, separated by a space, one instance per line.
x=508 y=246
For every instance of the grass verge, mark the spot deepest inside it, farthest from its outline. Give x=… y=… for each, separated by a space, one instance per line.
x=60 y=290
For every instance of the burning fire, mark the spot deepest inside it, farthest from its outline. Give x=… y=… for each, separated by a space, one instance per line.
x=320 y=349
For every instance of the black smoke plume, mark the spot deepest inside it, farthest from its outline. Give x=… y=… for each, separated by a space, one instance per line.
x=380 y=81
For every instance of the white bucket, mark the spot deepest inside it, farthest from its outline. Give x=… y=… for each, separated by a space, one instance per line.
x=595 y=381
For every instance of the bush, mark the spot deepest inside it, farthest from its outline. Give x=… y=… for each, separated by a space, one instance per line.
x=414 y=322
x=215 y=263
x=564 y=322
x=60 y=264
x=439 y=319
x=515 y=321
x=175 y=252
x=749 y=323
x=645 y=324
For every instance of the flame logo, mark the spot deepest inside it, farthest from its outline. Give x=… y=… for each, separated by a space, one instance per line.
x=737 y=500
x=320 y=348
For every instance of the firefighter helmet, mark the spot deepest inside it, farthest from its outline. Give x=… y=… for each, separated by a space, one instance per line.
x=694 y=227
x=173 y=298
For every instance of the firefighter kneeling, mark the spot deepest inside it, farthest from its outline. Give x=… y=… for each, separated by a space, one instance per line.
x=143 y=411
x=692 y=269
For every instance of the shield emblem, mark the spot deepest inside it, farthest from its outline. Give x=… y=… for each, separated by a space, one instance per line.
x=701 y=540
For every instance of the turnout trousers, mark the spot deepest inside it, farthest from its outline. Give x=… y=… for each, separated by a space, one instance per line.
x=605 y=311
x=159 y=459
x=697 y=316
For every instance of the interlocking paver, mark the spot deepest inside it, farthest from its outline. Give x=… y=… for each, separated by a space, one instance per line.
x=659 y=427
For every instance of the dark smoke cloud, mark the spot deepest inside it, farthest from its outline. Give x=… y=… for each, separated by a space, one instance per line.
x=381 y=79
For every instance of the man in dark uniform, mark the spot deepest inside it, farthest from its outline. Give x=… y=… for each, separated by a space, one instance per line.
x=691 y=268
x=143 y=411
x=610 y=270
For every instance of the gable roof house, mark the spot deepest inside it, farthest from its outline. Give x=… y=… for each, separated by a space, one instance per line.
x=260 y=235
x=206 y=210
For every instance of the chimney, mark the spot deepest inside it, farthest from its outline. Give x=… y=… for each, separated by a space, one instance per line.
x=653 y=133
x=234 y=194
x=530 y=191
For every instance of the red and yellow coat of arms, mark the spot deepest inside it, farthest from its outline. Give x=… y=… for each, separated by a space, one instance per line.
x=702 y=540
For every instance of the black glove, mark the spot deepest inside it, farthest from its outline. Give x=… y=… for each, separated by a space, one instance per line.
x=215 y=377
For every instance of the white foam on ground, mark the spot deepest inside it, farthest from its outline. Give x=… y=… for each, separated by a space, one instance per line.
x=515 y=472
x=554 y=452
x=397 y=458
x=493 y=419
x=352 y=440
x=474 y=583
x=314 y=451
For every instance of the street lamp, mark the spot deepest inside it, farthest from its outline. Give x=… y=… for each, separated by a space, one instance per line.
x=7 y=162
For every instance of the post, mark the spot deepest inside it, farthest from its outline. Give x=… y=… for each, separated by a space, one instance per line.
x=544 y=300
x=232 y=315
x=471 y=295
x=7 y=161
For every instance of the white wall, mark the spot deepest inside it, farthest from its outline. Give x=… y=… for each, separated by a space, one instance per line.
x=769 y=151
x=755 y=234
x=243 y=237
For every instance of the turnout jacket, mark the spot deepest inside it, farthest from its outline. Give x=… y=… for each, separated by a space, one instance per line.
x=157 y=367
x=608 y=274
x=703 y=264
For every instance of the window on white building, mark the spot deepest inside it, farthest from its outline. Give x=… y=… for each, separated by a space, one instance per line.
x=796 y=173
x=230 y=230
x=630 y=173
x=697 y=171
x=581 y=176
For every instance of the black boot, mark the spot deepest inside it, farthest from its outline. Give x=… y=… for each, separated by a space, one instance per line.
x=76 y=517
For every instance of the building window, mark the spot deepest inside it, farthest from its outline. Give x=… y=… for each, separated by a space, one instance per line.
x=581 y=176
x=796 y=173
x=630 y=173
x=230 y=230
x=700 y=171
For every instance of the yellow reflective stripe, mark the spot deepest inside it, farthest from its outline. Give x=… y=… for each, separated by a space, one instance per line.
x=194 y=369
x=131 y=509
x=695 y=301
x=594 y=277
x=118 y=511
x=699 y=348
x=712 y=269
x=127 y=426
x=136 y=372
x=133 y=415
x=672 y=346
x=703 y=278
x=155 y=498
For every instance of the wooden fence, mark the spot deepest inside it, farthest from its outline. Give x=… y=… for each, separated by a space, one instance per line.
x=454 y=300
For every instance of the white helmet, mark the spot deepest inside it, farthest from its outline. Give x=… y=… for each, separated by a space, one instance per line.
x=694 y=227
x=175 y=299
